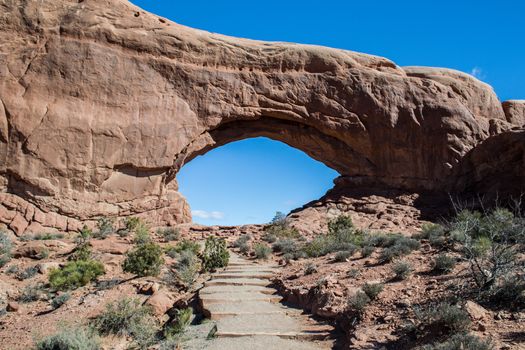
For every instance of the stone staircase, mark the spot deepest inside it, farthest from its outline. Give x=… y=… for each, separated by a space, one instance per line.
x=247 y=312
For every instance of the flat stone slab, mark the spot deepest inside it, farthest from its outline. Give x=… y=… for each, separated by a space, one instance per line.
x=238 y=282
x=236 y=289
x=234 y=297
x=262 y=343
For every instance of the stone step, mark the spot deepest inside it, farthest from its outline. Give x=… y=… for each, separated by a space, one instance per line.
x=305 y=335
x=237 y=282
x=238 y=297
x=242 y=274
x=236 y=289
x=254 y=308
x=263 y=343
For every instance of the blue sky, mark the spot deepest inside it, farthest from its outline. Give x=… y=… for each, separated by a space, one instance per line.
x=484 y=38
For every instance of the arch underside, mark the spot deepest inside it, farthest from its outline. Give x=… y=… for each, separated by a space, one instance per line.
x=327 y=149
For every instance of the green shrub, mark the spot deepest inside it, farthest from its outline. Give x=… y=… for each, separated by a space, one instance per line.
x=75 y=274
x=402 y=270
x=367 y=250
x=5 y=248
x=31 y=293
x=340 y=224
x=83 y=249
x=397 y=246
x=78 y=338
x=353 y=273
x=131 y=223
x=372 y=290
x=436 y=235
x=269 y=237
x=489 y=242
x=241 y=241
x=262 y=251
x=169 y=234
x=187 y=267
x=460 y=342
x=60 y=300
x=279 y=228
x=27 y=273
x=215 y=254
x=81 y=252
x=144 y=260
x=444 y=316
x=128 y=318
x=180 y=322
x=284 y=246
x=173 y=252
x=106 y=226
x=244 y=248
x=510 y=290
x=142 y=235
x=343 y=255
x=357 y=302
x=310 y=269
x=444 y=263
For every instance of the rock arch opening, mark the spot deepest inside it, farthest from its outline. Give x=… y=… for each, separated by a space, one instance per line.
x=247 y=181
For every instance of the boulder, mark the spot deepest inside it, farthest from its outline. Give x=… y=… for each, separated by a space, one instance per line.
x=475 y=311
x=161 y=302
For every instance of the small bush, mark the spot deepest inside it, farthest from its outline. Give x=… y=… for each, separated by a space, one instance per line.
x=353 y=273
x=510 y=290
x=83 y=249
x=142 y=235
x=241 y=241
x=169 y=234
x=181 y=321
x=367 y=250
x=343 y=255
x=28 y=273
x=269 y=238
x=5 y=248
x=341 y=223
x=105 y=226
x=310 y=269
x=108 y=284
x=60 y=300
x=128 y=318
x=284 y=246
x=444 y=263
x=461 y=342
x=78 y=338
x=398 y=246
x=445 y=316
x=358 y=302
x=215 y=254
x=262 y=251
x=402 y=270
x=244 y=248
x=187 y=266
x=372 y=290
x=75 y=274
x=31 y=293
x=144 y=260
x=173 y=252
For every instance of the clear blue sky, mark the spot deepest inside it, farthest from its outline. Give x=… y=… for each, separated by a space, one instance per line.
x=484 y=38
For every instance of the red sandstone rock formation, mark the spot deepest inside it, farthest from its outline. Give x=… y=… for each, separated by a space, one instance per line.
x=101 y=103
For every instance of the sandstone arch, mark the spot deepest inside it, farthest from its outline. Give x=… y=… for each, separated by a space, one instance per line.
x=101 y=103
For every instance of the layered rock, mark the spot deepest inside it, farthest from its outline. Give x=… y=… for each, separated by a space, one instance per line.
x=102 y=103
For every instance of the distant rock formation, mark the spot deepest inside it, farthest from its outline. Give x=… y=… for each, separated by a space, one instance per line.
x=101 y=103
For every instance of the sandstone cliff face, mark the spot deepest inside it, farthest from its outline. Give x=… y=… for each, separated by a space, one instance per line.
x=102 y=103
